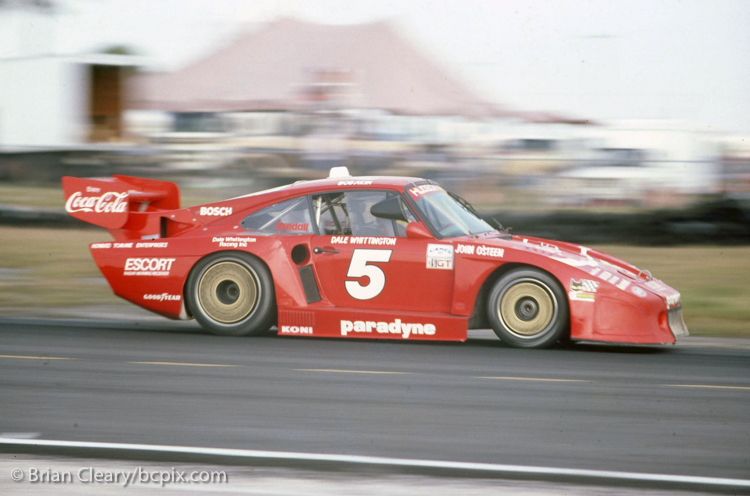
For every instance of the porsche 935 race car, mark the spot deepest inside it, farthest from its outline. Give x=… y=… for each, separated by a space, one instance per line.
x=362 y=257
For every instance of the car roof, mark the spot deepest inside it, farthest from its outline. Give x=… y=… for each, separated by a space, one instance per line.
x=337 y=183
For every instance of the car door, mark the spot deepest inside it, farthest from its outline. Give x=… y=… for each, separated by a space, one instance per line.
x=365 y=262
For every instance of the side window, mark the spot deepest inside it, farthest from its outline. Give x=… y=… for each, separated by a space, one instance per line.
x=348 y=213
x=331 y=214
x=288 y=217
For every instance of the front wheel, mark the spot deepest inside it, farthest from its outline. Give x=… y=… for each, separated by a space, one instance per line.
x=527 y=308
x=231 y=294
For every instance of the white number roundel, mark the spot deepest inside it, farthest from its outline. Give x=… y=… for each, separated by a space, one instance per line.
x=359 y=268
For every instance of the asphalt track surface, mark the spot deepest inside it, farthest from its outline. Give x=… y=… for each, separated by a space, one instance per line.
x=661 y=410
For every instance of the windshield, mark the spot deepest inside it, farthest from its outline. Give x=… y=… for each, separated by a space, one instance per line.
x=447 y=215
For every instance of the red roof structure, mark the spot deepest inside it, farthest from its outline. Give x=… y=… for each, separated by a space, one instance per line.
x=290 y=64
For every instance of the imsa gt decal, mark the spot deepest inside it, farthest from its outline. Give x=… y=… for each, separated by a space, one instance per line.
x=440 y=256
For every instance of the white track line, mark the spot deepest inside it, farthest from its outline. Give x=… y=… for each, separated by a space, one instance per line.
x=385 y=461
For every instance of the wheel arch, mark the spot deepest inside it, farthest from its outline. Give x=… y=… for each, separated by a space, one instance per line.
x=479 y=318
x=213 y=253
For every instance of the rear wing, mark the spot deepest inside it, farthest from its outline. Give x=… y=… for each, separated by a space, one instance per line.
x=115 y=202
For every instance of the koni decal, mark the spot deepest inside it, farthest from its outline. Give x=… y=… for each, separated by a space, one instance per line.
x=148 y=266
x=396 y=327
x=296 y=329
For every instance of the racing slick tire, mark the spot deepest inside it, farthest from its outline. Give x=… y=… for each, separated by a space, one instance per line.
x=528 y=308
x=231 y=294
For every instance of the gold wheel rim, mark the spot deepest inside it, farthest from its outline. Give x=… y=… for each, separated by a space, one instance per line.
x=228 y=292
x=527 y=309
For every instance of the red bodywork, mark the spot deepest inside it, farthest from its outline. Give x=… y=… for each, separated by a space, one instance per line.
x=156 y=244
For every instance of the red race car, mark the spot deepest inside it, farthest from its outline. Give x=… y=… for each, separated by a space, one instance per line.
x=362 y=257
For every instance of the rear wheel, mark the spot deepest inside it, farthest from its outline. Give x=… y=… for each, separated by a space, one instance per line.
x=527 y=308
x=231 y=294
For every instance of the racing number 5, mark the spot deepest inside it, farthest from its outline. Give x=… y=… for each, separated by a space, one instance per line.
x=358 y=268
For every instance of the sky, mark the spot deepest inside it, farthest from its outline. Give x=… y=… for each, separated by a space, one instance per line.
x=686 y=60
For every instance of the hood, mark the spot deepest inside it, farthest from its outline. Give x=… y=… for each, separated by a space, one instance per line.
x=617 y=272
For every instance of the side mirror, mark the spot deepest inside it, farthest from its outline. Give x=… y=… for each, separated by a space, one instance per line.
x=390 y=208
x=417 y=230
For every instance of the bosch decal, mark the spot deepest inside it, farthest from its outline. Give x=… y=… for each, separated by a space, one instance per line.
x=215 y=211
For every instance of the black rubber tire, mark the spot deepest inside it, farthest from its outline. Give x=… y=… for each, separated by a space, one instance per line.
x=527 y=308
x=231 y=294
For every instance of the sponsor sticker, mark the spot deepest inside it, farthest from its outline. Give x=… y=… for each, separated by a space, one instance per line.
x=232 y=241
x=440 y=256
x=481 y=250
x=583 y=290
x=490 y=251
x=363 y=240
x=639 y=292
x=296 y=329
x=148 y=266
x=293 y=226
x=396 y=327
x=110 y=202
x=355 y=183
x=162 y=297
x=215 y=211
x=160 y=244
x=418 y=192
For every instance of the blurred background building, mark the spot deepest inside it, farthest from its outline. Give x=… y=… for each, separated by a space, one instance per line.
x=288 y=99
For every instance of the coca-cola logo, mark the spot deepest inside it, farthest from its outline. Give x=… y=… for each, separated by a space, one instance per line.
x=110 y=202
